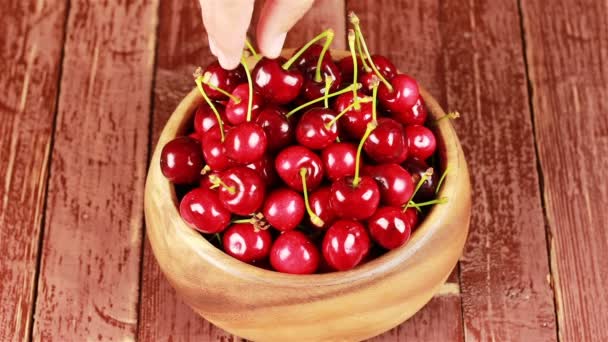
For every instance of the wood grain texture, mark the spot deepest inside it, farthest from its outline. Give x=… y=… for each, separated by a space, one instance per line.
x=182 y=45
x=414 y=26
x=88 y=287
x=567 y=50
x=31 y=38
x=504 y=270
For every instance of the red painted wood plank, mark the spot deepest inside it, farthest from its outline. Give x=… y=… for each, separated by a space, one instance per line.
x=89 y=278
x=504 y=270
x=567 y=50
x=182 y=45
x=413 y=26
x=31 y=38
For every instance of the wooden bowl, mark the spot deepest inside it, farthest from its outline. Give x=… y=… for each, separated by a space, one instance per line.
x=263 y=305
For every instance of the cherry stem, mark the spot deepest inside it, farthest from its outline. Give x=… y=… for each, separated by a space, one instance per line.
x=199 y=84
x=353 y=54
x=216 y=181
x=241 y=221
x=425 y=176
x=375 y=84
x=309 y=103
x=328 y=82
x=250 y=85
x=354 y=20
x=445 y=173
x=218 y=237
x=360 y=52
x=314 y=218
x=328 y=40
x=324 y=34
x=251 y=49
x=441 y=200
x=348 y=108
x=207 y=78
x=450 y=115
x=370 y=128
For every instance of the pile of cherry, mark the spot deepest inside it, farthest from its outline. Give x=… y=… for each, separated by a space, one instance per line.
x=306 y=165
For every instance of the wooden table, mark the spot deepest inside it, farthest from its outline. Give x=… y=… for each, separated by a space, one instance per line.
x=87 y=86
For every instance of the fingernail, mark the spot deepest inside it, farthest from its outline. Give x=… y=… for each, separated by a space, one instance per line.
x=274 y=46
x=228 y=61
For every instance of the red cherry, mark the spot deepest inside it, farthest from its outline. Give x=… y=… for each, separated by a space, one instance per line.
x=321 y=206
x=204 y=118
x=403 y=96
x=355 y=202
x=181 y=160
x=223 y=79
x=278 y=128
x=315 y=129
x=205 y=180
x=417 y=168
x=346 y=68
x=313 y=89
x=395 y=183
x=276 y=84
x=345 y=245
x=291 y=160
x=386 y=68
x=292 y=252
x=284 y=209
x=339 y=160
x=246 y=243
x=387 y=143
x=421 y=141
x=241 y=190
x=354 y=122
x=412 y=217
x=202 y=210
x=389 y=227
x=310 y=56
x=265 y=168
x=413 y=116
x=236 y=111
x=246 y=143
x=214 y=150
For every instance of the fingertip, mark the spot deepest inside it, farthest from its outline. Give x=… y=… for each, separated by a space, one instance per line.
x=271 y=47
x=228 y=61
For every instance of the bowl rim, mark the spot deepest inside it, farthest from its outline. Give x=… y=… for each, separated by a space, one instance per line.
x=451 y=154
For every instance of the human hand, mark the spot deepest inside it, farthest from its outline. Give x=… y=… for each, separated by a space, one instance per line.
x=227 y=22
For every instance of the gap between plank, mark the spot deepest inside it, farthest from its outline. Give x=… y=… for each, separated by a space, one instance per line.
x=49 y=159
x=554 y=278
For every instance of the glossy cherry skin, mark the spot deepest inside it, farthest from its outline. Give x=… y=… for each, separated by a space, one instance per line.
x=320 y=204
x=354 y=122
x=339 y=160
x=244 y=192
x=355 y=202
x=293 y=158
x=205 y=180
x=403 y=96
x=214 y=150
x=205 y=119
x=387 y=143
x=181 y=160
x=223 y=79
x=277 y=85
x=412 y=217
x=292 y=252
x=413 y=116
x=246 y=143
x=265 y=168
x=246 y=243
x=284 y=209
x=236 y=112
x=417 y=168
x=345 y=245
x=310 y=57
x=395 y=183
x=347 y=69
x=421 y=140
x=312 y=131
x=202 y=210
x=389 y=227
x=386 y=68
x=312 y=89
x=279 y=129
